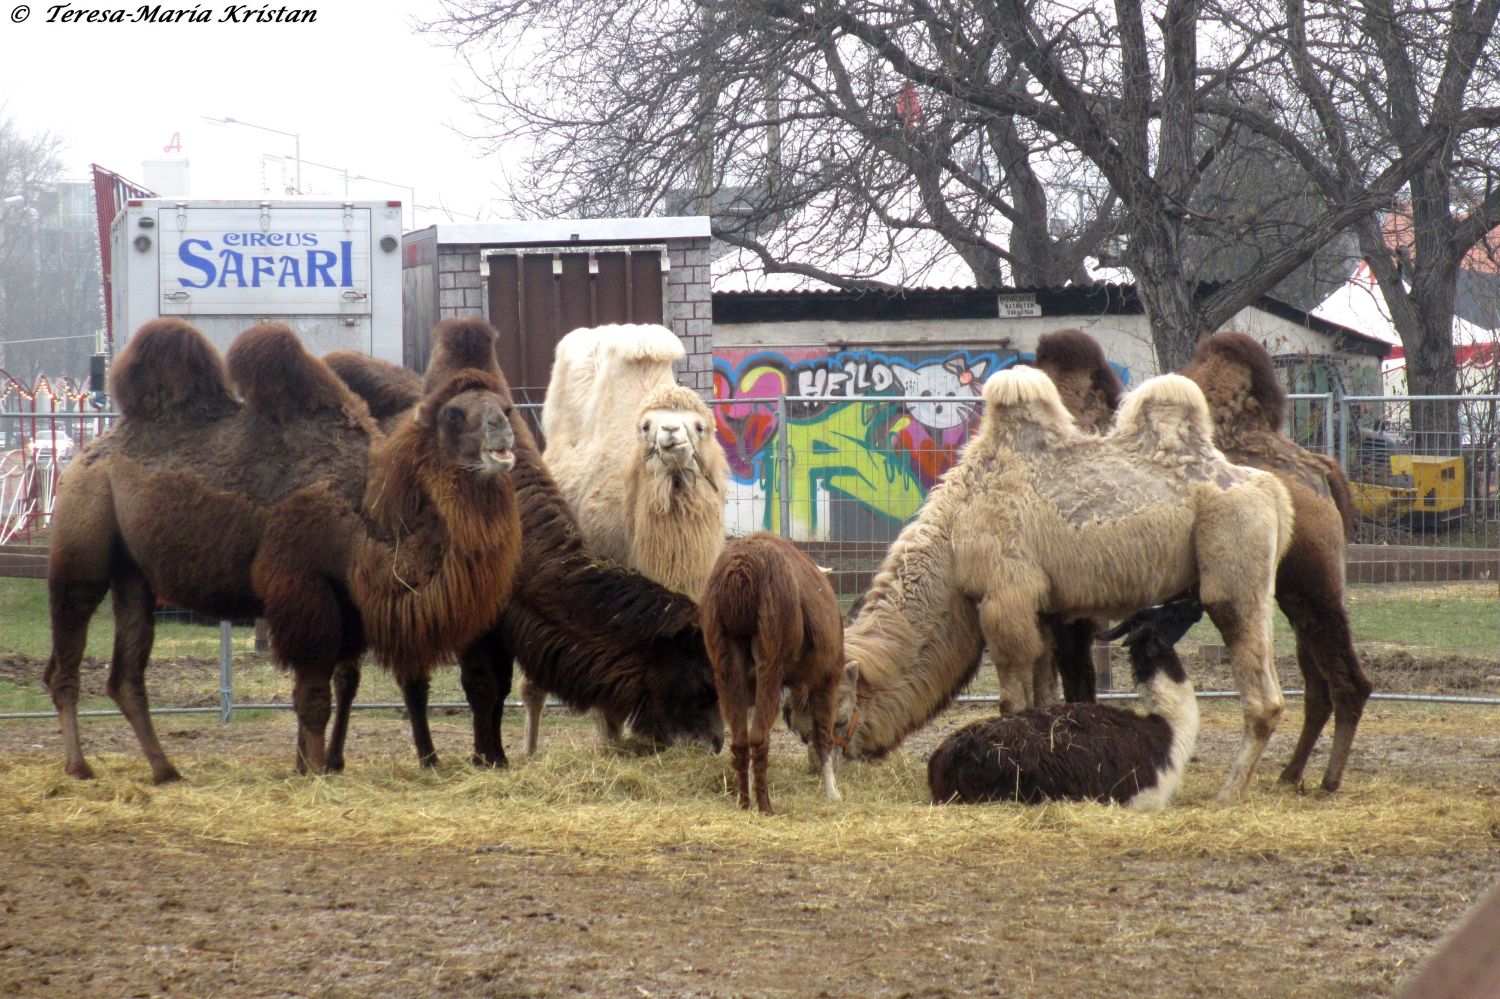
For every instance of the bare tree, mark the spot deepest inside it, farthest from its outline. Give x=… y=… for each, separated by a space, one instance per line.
x=813 y=151
x=1378 y=82
x=832 y=138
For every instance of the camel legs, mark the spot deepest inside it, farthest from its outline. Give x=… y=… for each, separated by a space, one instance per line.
x=72 y=606
x=535 y=698
x=414 y=692
x=486 y=669
x=1333 y=678
x=1008 y=619
x=1246 y=629
x=135 y=630
x=345 y=685
x=1072 y=654
x=311 y=699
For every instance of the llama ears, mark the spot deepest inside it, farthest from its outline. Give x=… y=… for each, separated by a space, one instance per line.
x=851 y=675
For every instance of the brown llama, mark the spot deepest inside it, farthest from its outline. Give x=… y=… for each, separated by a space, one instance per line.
x=290 y=506
x=1086 y=752
x=1247 y=403
x=771 y=622
x=637 y=656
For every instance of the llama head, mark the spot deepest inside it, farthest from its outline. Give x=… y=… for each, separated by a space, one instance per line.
x=676 y=432
x=681 y=702
x=796 y=710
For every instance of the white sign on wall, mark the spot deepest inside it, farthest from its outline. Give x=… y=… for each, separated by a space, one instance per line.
x=264 y=261
x=1018 y=306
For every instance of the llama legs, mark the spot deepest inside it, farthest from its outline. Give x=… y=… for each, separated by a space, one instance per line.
x=135 y=630
x=822 y=700
x=730 y=671
x=767 y=707
x=346 y=678
x=72 y=606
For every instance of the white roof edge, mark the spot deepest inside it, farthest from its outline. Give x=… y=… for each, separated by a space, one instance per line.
x=562 y=231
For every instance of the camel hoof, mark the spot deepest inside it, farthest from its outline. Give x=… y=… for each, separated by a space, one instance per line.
x=80 y=771
x=335 y=765
x=1229 y=796
x=168 y=776
x=1332 y=785
x=490 y=762
x=428 y=762
x=833 y=795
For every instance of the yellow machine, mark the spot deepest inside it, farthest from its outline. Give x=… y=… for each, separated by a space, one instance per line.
x=1424 y=491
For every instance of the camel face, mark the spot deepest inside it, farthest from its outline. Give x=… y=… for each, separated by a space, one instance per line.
x=474 y=432
x=673 y=437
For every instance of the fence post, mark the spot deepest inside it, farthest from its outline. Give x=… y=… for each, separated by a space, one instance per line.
x=1344 y=416
x=783 y=469
x=226 y=671
x=1329 y=448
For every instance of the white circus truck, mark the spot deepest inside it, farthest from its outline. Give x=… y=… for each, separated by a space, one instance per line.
x=331 y=270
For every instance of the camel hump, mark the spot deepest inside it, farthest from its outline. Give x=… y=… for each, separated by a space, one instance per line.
x=281 y=381
x=1238 y=376
x=458 y=344
x=1025 y=394
x=1169 y=412
x=637 y=342
x=168 y=369
x=386 y=388
x=675 y=398
x=1076 y=362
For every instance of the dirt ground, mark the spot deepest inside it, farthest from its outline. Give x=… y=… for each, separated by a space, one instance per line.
x=137 y=913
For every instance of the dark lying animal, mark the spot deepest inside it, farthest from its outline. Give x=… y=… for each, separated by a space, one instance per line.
x=1086 y=752
x=587 y=631
x=771 y=622
x=290 y=505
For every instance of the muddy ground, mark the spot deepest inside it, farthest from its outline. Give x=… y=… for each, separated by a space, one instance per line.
x=138 y=914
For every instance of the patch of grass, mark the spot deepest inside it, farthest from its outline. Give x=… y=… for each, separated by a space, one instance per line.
x=25 y=627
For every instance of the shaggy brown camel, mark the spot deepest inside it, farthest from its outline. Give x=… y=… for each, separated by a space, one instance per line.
x=1247 y=401
x=637 y=656
x=291 y=506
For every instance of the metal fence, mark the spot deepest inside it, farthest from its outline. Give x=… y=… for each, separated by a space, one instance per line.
x=841 y=476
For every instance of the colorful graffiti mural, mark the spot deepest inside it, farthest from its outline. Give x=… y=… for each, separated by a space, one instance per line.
x=881 y=456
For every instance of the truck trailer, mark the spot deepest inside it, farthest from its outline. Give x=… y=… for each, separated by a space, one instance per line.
x=331 y=270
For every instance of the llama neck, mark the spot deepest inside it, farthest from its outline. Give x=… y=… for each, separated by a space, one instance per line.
x=916 y=642
x=1176 y=704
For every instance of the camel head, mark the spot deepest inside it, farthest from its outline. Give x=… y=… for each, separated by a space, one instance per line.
x=676 y=431
x=470 y=420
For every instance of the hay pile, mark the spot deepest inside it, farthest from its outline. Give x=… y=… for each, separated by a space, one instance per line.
x=578 y=799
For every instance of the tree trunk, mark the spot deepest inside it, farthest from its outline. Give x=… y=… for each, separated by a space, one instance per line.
x=1166 y=294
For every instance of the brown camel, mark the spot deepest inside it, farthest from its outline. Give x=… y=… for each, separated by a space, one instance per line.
x=1247 y=402
x=637 y=655
x=292 y=506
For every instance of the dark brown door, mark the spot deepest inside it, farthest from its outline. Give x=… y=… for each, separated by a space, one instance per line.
x=537 y=297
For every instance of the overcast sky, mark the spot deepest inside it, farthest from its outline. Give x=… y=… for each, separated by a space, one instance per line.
x=363 y=89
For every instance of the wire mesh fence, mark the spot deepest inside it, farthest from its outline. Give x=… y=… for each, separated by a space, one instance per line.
x=841 y=477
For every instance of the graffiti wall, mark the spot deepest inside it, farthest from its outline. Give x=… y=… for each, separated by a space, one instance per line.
x=856 y=469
